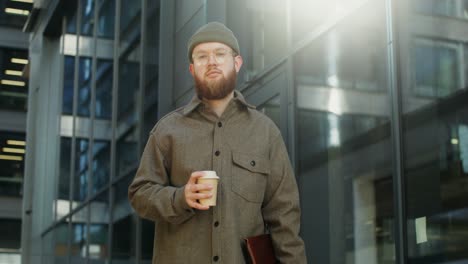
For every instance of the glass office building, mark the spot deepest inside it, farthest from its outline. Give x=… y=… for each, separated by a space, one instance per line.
x=371 y=98
x=13 y=111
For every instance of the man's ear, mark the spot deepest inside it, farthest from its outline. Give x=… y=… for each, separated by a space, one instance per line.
x=192 y=71
x=238 y=63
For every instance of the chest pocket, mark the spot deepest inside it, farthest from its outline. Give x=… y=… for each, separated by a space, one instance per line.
x=249 y=176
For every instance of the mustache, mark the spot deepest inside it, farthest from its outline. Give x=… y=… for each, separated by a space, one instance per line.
x=212 y=70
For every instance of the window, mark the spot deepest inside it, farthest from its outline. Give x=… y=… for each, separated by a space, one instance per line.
x=12 y=153
x=449 y=8
x=263 y=27
x=436 y=68
x=343 y=142
x=13 y=86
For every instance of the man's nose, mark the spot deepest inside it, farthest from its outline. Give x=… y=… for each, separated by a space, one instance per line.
x=212 y=59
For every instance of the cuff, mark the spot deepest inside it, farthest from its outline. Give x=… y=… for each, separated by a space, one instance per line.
x=180 y=204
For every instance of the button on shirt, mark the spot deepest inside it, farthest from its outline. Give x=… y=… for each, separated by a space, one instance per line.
x=257 y=187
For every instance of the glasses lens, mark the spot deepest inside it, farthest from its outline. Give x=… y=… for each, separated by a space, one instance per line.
x=219 y=57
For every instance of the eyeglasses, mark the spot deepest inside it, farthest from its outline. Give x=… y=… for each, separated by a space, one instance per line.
x=219 y=55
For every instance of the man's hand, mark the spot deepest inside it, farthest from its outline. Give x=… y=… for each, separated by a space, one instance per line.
x=192 y=191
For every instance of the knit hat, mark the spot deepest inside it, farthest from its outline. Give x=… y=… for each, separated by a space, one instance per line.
x=212 y=32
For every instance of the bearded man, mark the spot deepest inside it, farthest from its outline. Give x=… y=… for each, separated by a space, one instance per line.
x=217 y=131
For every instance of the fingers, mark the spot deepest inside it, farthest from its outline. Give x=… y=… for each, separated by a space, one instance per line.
x=196 y=205
x=194 y=191
x=194 y=176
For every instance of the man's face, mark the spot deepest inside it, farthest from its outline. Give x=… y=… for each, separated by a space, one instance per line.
x=214 y=70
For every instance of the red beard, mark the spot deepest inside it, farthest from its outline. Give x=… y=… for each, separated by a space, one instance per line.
x=215 y=89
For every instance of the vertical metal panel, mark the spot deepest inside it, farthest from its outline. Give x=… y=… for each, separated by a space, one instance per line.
x=215 y=10
x=166 y=52
x=140 y=108
x=396 y=114
x=289 y=105
x=91 y=128
x=75 y=110
x=115 y=89
x=185 y=10
x=59 y=140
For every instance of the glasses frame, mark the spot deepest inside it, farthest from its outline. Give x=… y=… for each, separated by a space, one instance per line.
x=219 y=60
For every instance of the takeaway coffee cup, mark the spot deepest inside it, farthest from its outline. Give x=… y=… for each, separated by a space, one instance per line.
x=209 y=177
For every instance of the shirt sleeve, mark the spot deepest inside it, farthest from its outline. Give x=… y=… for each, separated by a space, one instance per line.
x=281 y=209
x=151 y=194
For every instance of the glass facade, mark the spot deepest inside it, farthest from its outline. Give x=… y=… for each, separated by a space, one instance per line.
x=12 y=154
x=434 y=129
x=13 y=113
x=13 y=85
x=14 y=14
x=103 y=67
x=370 y=97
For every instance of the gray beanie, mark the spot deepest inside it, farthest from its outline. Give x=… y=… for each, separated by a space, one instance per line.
x=212 y=32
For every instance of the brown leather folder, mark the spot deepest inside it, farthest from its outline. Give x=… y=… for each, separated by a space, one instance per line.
x=260 y=249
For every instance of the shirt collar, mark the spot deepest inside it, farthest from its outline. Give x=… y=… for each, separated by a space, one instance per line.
x=195 y=102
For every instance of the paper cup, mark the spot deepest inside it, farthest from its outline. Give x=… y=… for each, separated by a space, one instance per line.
x=209 y=177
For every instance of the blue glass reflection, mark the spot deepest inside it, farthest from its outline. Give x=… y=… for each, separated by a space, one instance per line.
x=437 y=7
x=84 y=88
x=106 y=19
x=80 y=189
x=436 y=68
x=87 y=25
x=101 y=165
x=104 y=82
x=69 y=73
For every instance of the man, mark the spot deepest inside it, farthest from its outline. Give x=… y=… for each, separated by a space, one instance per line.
x=218 y=130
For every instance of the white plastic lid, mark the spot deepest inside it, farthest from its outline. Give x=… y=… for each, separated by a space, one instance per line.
x=210 y=175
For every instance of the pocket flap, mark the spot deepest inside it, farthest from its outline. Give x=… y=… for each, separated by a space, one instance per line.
x=252 y=163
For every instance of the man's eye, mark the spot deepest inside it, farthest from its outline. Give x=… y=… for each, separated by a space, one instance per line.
x=201 y=57
x=221 y=54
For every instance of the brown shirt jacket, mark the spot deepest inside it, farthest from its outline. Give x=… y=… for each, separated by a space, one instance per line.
x=256 y=188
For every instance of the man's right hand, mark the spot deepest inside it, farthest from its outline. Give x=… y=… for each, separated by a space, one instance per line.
x=192 y=191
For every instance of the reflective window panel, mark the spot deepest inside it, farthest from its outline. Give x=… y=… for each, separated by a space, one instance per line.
x=147 y=240
x=80 y=184
x=127 y=156
x=129 y=79
x=436 y=67
x=10 y=240
x=448 y=8
x=272 y=109
x=63 y=193
x=84 y=86
x=104 y=83
x=11 y=234
x=123 y=231
x=12 y=154
x=14 y=13
x=98 y=229
x=309 y=16
x=79 y=237
x=151 y=68
x=106 y=20
x=71 y=26
x=13 y=86
x=263 y=25
x=87 y=17
x=61 y=236
x=435 y=131
x=344 y=147
x=151 y=52
x=130 y=21
x=101 y=165
x=68 y=82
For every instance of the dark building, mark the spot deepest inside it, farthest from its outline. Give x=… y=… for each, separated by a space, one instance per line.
x=371 y=98
x=13 y=108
